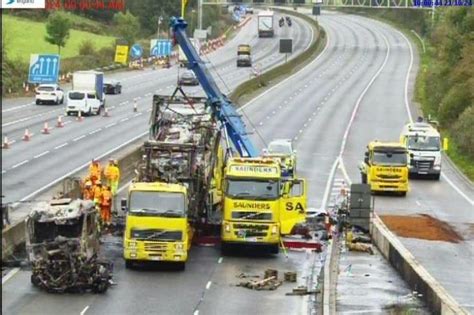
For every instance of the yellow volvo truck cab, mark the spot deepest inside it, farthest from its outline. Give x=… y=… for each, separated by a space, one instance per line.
x=385 y=167
x=157 y=226
x=259 y=205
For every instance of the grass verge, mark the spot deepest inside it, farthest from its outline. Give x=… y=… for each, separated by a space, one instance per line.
x=32 y=40
x=248 y=89
x=461 y=160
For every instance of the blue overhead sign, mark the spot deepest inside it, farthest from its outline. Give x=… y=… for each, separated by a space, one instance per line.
x=160 y=47
x=136 y=51
x=43 y=69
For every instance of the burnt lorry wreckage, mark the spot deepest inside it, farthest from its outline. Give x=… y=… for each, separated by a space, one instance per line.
x=62 y=243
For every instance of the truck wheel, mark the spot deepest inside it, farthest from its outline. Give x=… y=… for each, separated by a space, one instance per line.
x=403 y=193
x=274 y=249
x=68 y=113
x=363 y=178
x=128 y=264
x=34 y=281
x=225 y=249
x=436 y=176
x=97 y=113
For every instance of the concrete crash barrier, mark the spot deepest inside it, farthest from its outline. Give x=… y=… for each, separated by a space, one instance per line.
x=434 y=295
x=14 y=236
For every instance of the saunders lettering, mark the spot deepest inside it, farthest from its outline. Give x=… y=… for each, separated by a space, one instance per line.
x=251 y=205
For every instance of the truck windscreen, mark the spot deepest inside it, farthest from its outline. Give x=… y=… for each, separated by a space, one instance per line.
x=157 y=203
x=389 y=158
x=252 y=190
x=422 y=143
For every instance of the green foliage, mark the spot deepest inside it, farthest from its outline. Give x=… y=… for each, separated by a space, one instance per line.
x=454 y=103
x=86 y=48
x=149 y=11
x=463 y=131
x=128 y=26
x=57 y=29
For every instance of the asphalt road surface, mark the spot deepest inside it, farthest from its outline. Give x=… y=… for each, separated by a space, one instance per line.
x=314 y=108
x=31 y=166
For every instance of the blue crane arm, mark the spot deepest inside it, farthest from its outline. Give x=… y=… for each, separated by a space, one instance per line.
x=221 y=106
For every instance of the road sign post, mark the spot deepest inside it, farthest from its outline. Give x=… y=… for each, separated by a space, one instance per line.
x=43 y=68
x=286 y=47
x=136 y=51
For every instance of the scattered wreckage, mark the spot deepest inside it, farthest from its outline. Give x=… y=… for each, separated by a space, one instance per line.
x=62 y=243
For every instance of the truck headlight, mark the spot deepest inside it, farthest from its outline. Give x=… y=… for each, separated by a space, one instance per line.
x=178 y=246
x=274 y=229
x=437 y=161
x=227 y=227
x=132 y=244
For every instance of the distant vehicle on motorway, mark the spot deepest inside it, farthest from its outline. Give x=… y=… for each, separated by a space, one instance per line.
x=244 y=61
x=87 y=94
x=249 y=10
x=188 y=78
x=112 y=87
x=49 y=93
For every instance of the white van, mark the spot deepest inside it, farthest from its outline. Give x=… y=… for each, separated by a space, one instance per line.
x=85 y=102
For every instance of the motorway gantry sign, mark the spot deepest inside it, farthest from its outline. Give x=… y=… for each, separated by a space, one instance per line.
x=160 y=47
x=43 y=68
x=121 y=53
x=136 y=51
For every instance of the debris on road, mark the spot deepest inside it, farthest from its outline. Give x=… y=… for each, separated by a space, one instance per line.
x=303 y=290
x=290 y=276
x=271 y=273
x=266 y=284
x=353 y=242
x=243 y=275
x=422 y=227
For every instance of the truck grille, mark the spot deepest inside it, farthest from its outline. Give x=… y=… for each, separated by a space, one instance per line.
x=156 y=235
x=422 y=166
x=250 y=230
x=155 y=247
x=252 y=215
x=389 y=178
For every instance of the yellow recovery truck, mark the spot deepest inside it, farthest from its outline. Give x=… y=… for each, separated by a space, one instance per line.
x=176 y=182
x=259 y=204
x=385 y=167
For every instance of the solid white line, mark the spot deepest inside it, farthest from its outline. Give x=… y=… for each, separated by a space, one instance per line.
x=60 y=146
x=359 y=100
x=85 y=310
x=328 y=184
x=10 y=274
x=19 y=164
x=4 y=171
x=16 y=107
x=196 y=312
x=418 y=203
x=220 y=260
x=208 y=285
x=41 y=154
x=459 y=191
x=16 y=121
x=77 y=169
x=79 y=138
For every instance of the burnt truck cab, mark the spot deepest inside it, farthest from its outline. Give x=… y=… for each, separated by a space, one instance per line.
x=62 y=243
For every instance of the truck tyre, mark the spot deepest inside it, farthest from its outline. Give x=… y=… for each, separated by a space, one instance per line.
x=181 y=266
x=68 y=113
x=97 y=113
x=225 y=249
x=436 y=176
x=274 y=249
x=128 y=264
x=403 y=193
x=363 y=178
x=34 y=281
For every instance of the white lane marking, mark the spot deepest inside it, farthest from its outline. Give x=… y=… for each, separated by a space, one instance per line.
x=67 y=122
x=77 y=169
x=287 y=79
x=16 y=121
x=20 y=164
x=79 y=138
x=124 y=119
x=41 y=154
x=4 y=171
x=12 y=142
x=110 y=125
x=9 y=275
x=418 y=203
x=85 y=310
x=137 y=114
x=208 y=285
x=16 y=107
x=196 y=312
x=328 y=184
x=407 y=106
x=95 y=131
x=359 y=100
x=60 y=146
x=220 y=260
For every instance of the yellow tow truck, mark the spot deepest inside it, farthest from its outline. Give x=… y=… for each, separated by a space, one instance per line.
x=259 y=204
x=385 y=167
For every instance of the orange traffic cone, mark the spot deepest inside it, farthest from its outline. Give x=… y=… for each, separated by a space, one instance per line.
x=5 y=144
x=135 y=109
x=60 y=123
x=79 y=116
x=45 y=129
x=27 y=135
x=106 y=112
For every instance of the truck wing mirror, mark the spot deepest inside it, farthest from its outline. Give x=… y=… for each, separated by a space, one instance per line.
x=366 y=160
x=123 y=205
x=412 y=155
x=445 y=144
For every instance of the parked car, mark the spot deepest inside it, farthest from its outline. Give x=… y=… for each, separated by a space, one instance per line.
x=49 y=93
x=188 y=78
x=249 y=10
x=112 y=87
x=244 y=61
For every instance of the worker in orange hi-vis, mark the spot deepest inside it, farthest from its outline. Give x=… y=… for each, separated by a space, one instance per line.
x=95 y=171
x=88 y=193
x=98 y=193
x=106 y=205
x=112 y=173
